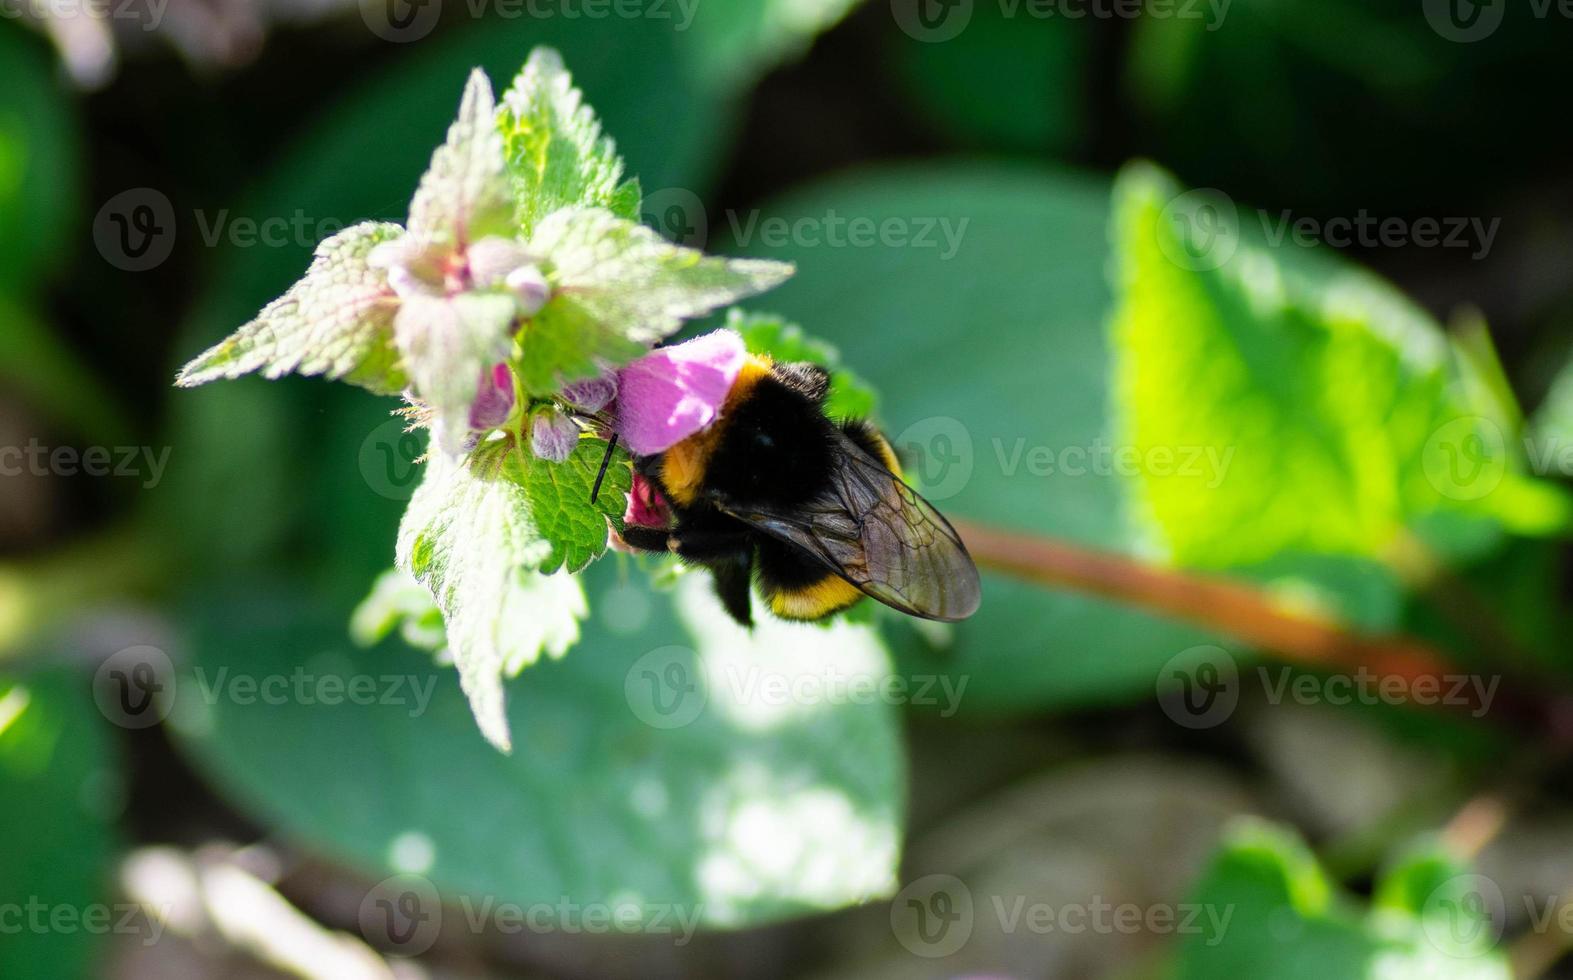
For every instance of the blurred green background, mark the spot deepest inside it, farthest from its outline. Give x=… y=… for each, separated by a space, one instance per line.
x=1363 y=311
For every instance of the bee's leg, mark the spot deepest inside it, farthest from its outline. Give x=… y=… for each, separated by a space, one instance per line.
x=728 y=553
x=732 y=588
x=643 y=538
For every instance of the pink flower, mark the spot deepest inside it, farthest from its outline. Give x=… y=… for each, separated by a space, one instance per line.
x=673 y=392
x=646 y=506
x=494 y=401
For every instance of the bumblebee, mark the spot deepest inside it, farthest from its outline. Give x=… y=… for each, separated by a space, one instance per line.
x=812 y=509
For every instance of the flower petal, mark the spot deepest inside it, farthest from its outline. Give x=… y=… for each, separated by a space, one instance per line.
x=672 y=393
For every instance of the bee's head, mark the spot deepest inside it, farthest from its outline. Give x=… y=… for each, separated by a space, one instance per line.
x=776 y=447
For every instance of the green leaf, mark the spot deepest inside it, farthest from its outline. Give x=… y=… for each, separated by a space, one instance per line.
x=556 y=155
x=741 y=39
x=495 y=539
x=765 y=333
x=464 y=196
x=1338 y=403
x=560 y=501
x=720 y=801
x=55 y=768
x=40 y=163
x=618 y=287
x=1286 y=920
x=336 y=322
x=41 y=365
x=1003 y=84
x=471 y=535
x=981 y=338
x=398 y=601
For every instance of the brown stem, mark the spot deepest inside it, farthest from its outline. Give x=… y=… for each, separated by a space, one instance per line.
x=1252 y=615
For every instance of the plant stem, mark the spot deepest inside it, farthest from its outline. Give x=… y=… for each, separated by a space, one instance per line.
x=1253 y=616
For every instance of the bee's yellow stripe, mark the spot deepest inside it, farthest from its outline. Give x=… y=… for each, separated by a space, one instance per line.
x=887 y=455
x=683 y=468
x=815 y=601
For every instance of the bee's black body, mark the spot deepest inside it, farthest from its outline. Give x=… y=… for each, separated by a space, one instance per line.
x=766 y=488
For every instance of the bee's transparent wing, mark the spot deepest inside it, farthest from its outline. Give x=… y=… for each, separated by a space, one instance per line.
x=877 y=533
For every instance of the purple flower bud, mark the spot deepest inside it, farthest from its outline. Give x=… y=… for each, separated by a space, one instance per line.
x=531 y=288
x=493 y=401
x=591 y=395
x=553 y=436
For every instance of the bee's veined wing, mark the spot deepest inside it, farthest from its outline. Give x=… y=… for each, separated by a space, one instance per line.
x=877 y=533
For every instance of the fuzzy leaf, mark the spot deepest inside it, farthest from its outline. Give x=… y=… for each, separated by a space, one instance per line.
x=555 y=152
x=336 y=322
x=464 y=194
x=619 y=287
x=397 y=600
x=472 y=536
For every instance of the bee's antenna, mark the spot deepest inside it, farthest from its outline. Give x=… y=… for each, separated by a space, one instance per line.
x=606 y=460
